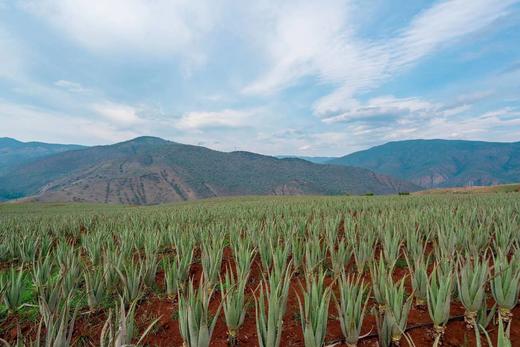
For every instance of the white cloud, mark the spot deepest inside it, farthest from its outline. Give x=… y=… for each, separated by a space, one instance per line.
x=311 y=39
x=30 y=123
x=227 y=118
x=387 y=107
x=117 y=113
x=146 y=27
x=70 y=86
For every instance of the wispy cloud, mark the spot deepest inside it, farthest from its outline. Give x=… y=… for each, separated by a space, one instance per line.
x=32 y=123
x=118 y=113
x=138 y=26
x=317 y=40
x=70 y=86
x=227 y=118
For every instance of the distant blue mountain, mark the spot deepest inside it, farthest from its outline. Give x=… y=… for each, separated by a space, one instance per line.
x=441 y=163
x=14 y=152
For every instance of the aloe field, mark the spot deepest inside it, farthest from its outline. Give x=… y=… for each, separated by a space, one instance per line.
x=411 y=270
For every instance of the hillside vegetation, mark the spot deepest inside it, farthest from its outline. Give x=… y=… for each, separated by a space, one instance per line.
x=150 y=170
x=442 y=163
x=14 y=152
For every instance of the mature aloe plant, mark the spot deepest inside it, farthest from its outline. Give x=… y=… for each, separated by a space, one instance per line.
x=415 y=245
x=42 y=270
x=364 y=250
x=439 y=301
x=384 y=329
x=27 y=249
x=150 y=266
x=314 y=255
x=244 y=253
x=59 y=326
x=314 y=310
x=471 y=281
x=381 y=276
x=51 y=297
x=119 y=328
x=505 y=285
x=297 y=252
x=95 y=288
x=195 y=324
x=340 y=253
x=391 y=244
x=211 y=259
x=176 y=270
x=270 y=308
x=397 y=308
x=351 y=305
x=265 y=250
x=280 y=258
x=13 y=284
x=419 y=276
x=232 y=289
x=132 y=277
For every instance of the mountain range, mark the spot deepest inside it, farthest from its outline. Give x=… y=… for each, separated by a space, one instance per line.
x=14 y=152
x=149 y=170
x=441 y=163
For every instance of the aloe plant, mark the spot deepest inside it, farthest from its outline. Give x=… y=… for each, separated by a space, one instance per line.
x=244 y=253
x=150 y=266
x=381 y=275
x=384 y=329
x=314 y=256
x=471 y=281
x=95 y=288
x=351 y=306
x=211 y=259
x=397 y=308
x=505 y=285
x=232 y=289
x=391 y=244
x=270 y=308
x=132 y=277
x=419 y=278
x=13 y=284
x=363 y=251
x=176 y=271
x=42 y=270
x=339 y=256
x=314 y=310
x=195 y=324
x=119 y=328
x=439 y=300
x=59 y=326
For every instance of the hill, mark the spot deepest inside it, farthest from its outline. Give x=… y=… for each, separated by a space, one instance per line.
x=14 y=152
x=150 y=170
x=442 y=163
x=315 y=160
x=502 y=188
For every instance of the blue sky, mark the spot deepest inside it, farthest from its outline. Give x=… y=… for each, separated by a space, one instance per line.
x=275 y=77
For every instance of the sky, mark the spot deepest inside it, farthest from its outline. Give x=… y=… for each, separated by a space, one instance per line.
x=314 y=78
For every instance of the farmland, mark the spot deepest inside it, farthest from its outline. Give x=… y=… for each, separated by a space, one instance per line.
x=264 y=271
